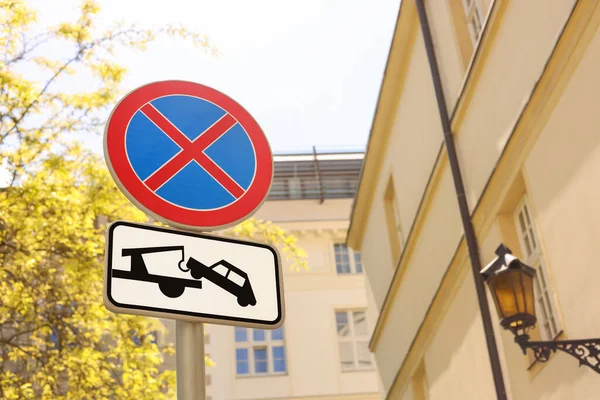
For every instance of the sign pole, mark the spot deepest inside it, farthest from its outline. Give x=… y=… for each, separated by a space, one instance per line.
x=151 y=138
x=189 y=352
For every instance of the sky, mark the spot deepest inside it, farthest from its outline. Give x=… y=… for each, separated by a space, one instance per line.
x=308 y=71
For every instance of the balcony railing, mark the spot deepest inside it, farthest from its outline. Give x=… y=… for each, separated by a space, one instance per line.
x=326 y=175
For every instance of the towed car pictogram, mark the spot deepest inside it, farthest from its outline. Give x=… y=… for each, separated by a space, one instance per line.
x=226 y=276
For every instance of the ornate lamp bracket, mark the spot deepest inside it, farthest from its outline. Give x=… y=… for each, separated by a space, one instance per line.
x=587 y=351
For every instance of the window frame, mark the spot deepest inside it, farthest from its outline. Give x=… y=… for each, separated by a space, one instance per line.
x=354 y=339
x=352 y=255
x=472 y=12
x=546 y=300
x=251 y=345
x=392 y=217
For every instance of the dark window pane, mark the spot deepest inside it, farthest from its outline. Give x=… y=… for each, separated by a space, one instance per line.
x=278 y=352
x=358 y=263
x=532 y=236
x=260 y=360
x=526 y=212
x=341 y=320
x=241 y=334
x=527 y=244
x=241 y=354
x=261 y=367
x=279 y=365
x=260 y=354
x=277 y=334
x=279 y=359
x=242 y=368
x=259 y=335
x=522 y=223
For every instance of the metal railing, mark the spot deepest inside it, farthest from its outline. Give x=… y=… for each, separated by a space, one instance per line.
x=316 y=175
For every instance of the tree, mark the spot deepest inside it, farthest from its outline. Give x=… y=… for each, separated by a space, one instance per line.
x=57 y=340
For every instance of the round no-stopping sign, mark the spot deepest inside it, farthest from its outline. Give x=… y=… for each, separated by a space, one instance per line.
x=188 y=155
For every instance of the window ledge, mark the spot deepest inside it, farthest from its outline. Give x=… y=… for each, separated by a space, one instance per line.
x=370 y=369
x=267 y=375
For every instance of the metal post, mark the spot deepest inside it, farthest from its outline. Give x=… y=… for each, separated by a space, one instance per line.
x=189 y=342
x=318 y=175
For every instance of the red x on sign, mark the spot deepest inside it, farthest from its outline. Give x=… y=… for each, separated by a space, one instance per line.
x=209 y=179
x=191 y=151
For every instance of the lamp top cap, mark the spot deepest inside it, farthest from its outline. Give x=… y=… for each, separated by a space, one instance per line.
x=503 y=263
x=502 y=250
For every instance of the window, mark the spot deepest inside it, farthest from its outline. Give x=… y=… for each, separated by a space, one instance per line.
x=392 y=218
x=353 y=340
x=242 y=361
x=357 y=262
x=474 y=18
x=259 y=352
x=347 y=261
x=532 y=254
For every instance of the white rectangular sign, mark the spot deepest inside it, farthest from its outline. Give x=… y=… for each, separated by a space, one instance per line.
x=172 y=274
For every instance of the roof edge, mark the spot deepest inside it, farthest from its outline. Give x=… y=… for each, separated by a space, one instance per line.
x=402 y=41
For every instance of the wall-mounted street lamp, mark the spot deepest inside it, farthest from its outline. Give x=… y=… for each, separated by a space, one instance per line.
x=511 y=284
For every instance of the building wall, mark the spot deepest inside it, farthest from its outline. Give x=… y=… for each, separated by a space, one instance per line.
x=514 y=60
x=421 y=276
x=455 y=366
x=440 y=16
x=311 y=299
x=525 y=120
x=413 y=145
x=561 y=174
x=311 y=346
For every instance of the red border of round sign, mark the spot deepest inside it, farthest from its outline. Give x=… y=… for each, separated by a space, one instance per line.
x=116 y=157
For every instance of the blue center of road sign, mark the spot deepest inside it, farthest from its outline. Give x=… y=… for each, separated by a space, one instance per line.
x=190 y=152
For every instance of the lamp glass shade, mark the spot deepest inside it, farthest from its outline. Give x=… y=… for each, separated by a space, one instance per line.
x=513 y=293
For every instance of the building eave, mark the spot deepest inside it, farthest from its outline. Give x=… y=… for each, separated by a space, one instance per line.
x=389 y=94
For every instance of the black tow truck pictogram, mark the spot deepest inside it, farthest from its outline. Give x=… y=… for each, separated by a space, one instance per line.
x=222 y=273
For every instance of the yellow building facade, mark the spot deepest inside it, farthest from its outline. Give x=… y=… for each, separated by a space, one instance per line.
x=321 y=350
x=521 y=85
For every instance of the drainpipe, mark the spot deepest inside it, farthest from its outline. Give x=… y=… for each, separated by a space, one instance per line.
x=470 y=237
